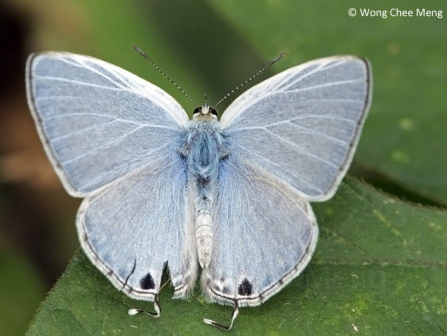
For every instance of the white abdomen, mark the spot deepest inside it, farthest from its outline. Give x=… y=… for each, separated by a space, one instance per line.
x=204 y=237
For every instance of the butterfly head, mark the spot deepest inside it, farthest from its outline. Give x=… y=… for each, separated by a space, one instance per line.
x=205 y=113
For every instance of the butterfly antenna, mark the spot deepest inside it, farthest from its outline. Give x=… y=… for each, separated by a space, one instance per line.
x=269 y=64
x=142 y=53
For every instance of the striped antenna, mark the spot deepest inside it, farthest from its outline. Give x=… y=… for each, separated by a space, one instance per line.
x=142 y=53
x=269 y=64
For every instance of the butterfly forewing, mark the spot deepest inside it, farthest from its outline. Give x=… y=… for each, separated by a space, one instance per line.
x=99 y=122
x=303 y=124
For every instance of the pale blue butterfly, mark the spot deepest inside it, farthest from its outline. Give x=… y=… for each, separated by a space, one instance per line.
x=231 y=195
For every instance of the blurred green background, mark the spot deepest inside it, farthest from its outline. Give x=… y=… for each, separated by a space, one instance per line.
x=209 y=47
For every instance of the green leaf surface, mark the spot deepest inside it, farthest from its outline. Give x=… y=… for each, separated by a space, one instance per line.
x=405 y=135
x=379 y=268
x=21 y=290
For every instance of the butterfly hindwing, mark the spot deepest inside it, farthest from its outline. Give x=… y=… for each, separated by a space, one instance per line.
x=265 y=234
x=133 y=228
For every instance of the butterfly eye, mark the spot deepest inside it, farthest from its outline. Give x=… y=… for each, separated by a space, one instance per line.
x=199 y=110
x=213 y=111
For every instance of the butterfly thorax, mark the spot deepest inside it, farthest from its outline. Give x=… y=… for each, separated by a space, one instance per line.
x=203 y=149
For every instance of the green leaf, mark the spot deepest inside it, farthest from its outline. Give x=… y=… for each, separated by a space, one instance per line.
x=21 y=290
x=405 y=136
x=379 y=268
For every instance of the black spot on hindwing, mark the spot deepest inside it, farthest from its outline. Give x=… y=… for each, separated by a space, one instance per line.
x=245 y=288
x=147 y=282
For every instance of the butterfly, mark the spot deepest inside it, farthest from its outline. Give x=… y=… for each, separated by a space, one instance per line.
x=230 y=195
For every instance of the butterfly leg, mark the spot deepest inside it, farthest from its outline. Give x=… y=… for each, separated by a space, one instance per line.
x=221 y=326
x=157 y=309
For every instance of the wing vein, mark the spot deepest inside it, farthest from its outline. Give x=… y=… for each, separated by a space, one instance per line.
x=265 y=159
x=317 y=69
x=293 y=145
x=77 y=82
x=113 y=117
x=106 y=145
x=84 y=130
x=320 y=86
x=84 y=65
x=100 y=177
